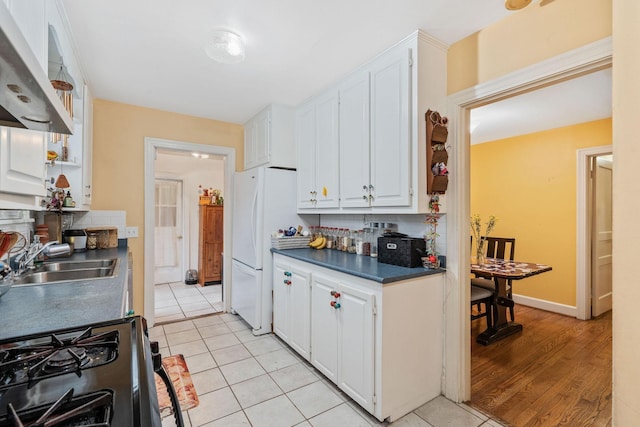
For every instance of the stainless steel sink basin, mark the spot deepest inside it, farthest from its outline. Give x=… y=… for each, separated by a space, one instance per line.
x=77 y=265
x=68 y=271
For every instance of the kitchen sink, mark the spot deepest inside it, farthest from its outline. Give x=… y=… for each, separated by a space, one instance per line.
x=68 y=271
x=78 y=265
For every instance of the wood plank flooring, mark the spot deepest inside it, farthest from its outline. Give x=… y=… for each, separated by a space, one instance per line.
x=557 y=372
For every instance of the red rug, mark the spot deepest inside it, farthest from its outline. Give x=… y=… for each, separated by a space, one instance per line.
x=177 y=369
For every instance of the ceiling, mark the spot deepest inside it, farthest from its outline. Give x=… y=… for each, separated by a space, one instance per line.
x=151 y=52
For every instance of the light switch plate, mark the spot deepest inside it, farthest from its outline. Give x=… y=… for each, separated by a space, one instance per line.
x=132 y=232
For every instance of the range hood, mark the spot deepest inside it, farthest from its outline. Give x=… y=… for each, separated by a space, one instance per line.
x=27 y=99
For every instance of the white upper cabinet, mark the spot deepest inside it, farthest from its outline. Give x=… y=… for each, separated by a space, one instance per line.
x=269 y=138
x=382 y=132
x=30 y=16
x=318 y=152
x=22 y=155
x=355 y=183
x=22 y=152
x=390 y=125
x=63 y=64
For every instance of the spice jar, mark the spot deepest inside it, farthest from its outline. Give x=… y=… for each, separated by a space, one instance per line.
x=92 y=240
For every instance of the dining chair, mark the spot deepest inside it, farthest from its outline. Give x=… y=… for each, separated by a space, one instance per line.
x=503 y=248
x=481 y=296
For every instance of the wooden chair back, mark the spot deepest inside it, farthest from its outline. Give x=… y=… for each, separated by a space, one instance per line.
x=500 y=247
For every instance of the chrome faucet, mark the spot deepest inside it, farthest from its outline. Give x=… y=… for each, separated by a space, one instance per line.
x=26 y=258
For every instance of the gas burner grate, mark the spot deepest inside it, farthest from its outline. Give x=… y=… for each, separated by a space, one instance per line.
x=89 y=410
x=29 y=363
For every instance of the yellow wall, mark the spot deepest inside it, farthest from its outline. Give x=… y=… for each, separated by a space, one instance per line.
x=118 y=161
x=525 y=38
x=529 y=183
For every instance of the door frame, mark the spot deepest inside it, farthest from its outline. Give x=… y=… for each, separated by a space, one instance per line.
x=151 y=146
x=583 y=228
x=592 y=57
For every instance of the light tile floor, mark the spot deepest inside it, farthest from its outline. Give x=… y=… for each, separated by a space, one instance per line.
x=177 y=301
x=247 y=380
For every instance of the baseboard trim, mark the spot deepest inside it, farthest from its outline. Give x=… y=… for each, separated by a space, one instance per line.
x=554 y=307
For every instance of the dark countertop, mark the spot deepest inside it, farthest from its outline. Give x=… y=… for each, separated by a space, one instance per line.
x=357 y=265
x=43 y=307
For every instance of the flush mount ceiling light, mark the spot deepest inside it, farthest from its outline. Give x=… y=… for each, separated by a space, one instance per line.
x=516 y=4
x=225 y=47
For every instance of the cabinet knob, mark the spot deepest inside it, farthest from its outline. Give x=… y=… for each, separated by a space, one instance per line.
x=364 y=187
x=364 y=197
x=335 y=304
x=287 y=282
x=371 y=187
x=335 y=294
x=287 y=273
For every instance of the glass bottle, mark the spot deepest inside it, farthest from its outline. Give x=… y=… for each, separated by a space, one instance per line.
x=373 y=253
x=366 y=241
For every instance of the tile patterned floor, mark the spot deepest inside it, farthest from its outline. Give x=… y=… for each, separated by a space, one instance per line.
x=247 y=380
x=177 y=301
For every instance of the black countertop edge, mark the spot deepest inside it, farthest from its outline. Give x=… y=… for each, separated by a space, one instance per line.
x=357 y=265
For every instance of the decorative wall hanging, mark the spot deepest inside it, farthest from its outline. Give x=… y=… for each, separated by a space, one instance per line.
x=437 y=156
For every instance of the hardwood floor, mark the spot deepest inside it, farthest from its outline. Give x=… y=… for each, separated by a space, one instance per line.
x=557 y=372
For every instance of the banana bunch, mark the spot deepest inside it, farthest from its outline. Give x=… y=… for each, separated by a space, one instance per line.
x=319 y=243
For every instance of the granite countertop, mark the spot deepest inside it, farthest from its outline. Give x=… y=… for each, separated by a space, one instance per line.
x=357 y=265
x=43 y=307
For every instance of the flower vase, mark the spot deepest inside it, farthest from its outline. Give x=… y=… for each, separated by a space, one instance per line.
x=480 y=253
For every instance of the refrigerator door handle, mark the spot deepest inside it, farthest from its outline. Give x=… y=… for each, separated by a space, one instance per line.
x=254 y=225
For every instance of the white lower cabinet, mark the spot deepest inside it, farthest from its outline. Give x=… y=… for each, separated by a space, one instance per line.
x=379 y=343
x=291 y=291
x=342 y=325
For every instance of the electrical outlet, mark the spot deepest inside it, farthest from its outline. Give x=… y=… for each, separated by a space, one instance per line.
x=132 y=232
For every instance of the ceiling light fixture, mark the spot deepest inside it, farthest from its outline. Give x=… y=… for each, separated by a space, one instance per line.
x=516 y=4
x=225 y=47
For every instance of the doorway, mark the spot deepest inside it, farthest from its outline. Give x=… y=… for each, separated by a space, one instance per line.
x=593 y=57
x=175 y=161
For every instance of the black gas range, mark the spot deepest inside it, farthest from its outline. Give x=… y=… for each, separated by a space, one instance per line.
x=96 y=375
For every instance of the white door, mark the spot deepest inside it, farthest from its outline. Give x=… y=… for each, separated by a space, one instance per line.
x=22 y=161
x=305 y=154
x=390 y=124
x=245 y=293
x=327 y=151
x=601 y=258
x=324 y=327
x=282 y=281
x=354 y=141
x=355 y=345
x=168 y=231
x=300 y=304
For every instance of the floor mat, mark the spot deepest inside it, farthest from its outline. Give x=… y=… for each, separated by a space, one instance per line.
x=177 y=369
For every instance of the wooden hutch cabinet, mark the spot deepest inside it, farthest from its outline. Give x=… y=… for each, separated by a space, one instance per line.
x=210 y=244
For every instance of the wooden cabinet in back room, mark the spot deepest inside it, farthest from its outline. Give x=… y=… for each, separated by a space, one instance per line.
x=210 y=244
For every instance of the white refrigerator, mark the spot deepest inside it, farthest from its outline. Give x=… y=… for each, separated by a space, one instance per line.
x=264 y=200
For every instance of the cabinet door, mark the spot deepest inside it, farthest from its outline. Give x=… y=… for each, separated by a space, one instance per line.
x=305 y=155
x=354 y=141
x=30 y=18
x=282 y=281
x=355 y=345
x=327 y=151
x=87 y=147
x=299 y=307
x=390 y=125
x=257 y=140
x=22 y=159
x=262 y=138
x=324 y=327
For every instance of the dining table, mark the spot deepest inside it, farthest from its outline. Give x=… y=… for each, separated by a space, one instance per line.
x=502 y=272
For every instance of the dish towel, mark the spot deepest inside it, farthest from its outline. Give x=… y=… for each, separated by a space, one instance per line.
x=177 y=369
